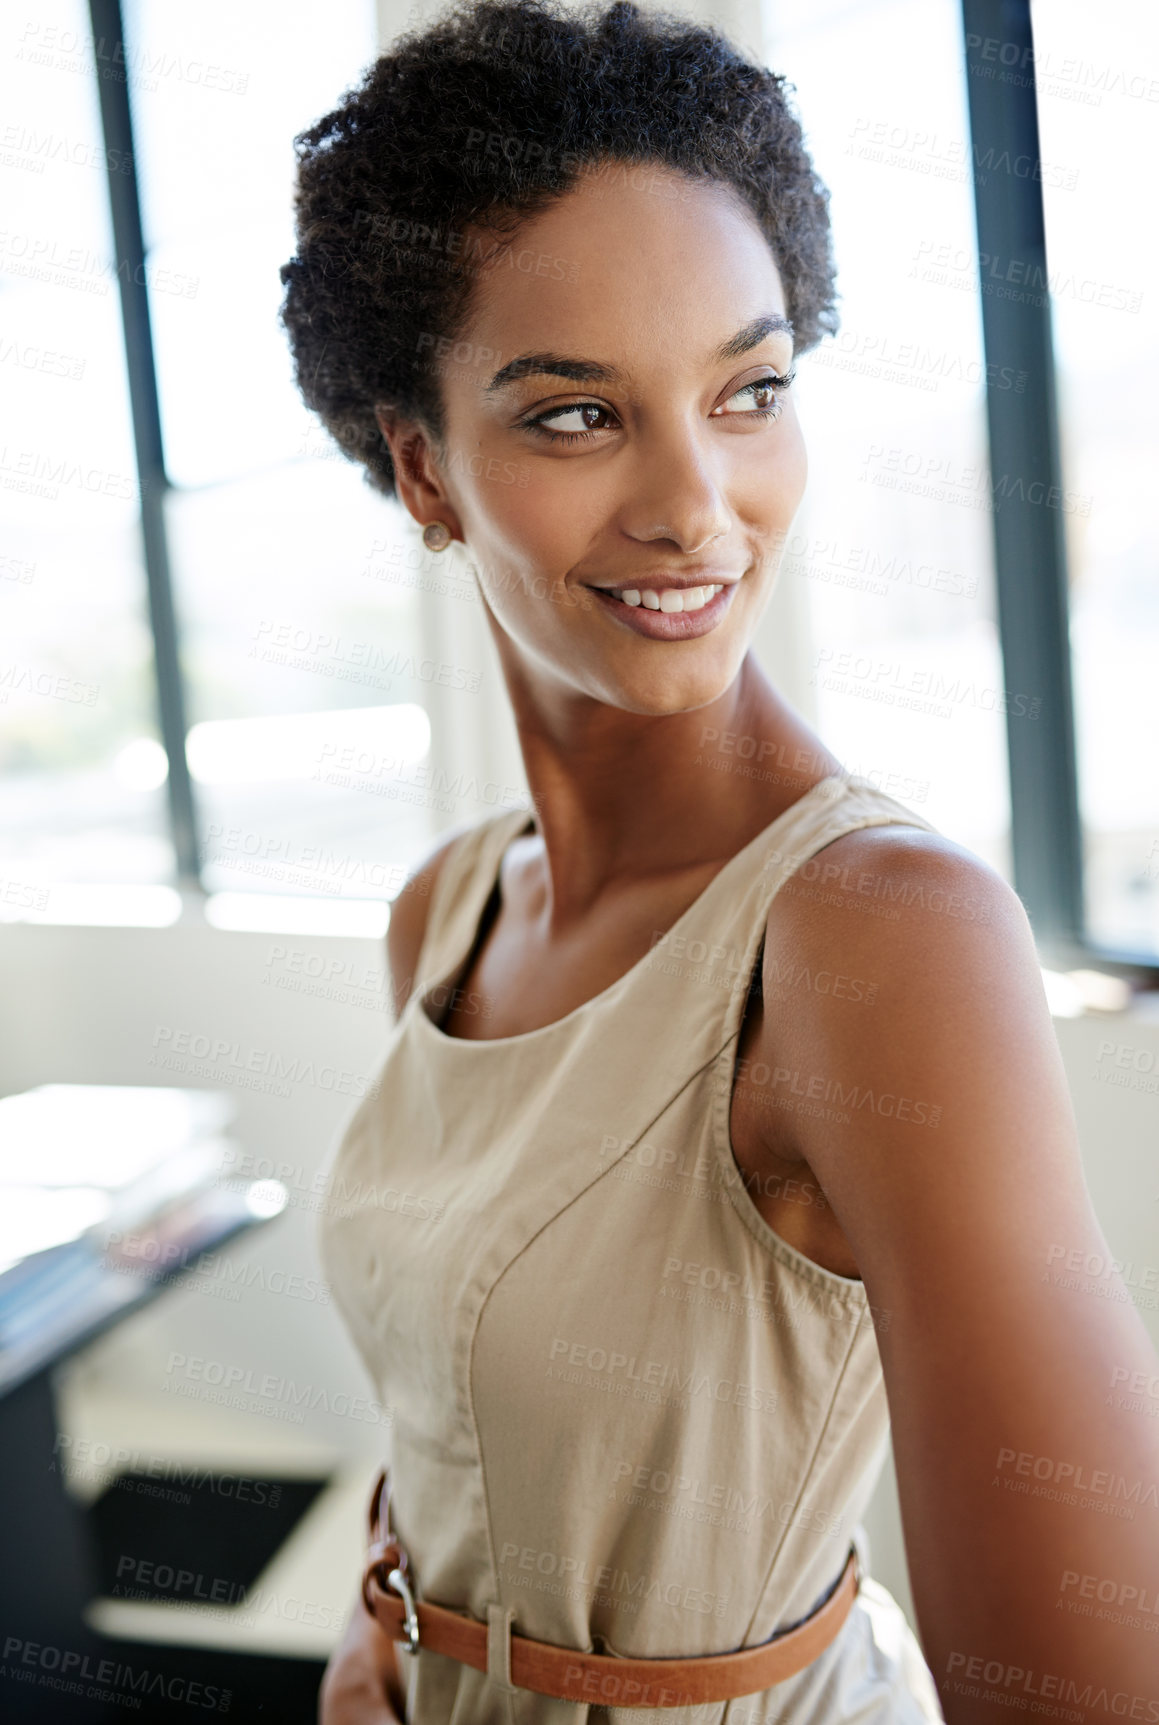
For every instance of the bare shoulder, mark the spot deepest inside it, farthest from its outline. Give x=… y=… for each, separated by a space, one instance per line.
x=892 y=876
x=928 y=1095
x=914 y=1043
x=409 y=912
x=912 y=906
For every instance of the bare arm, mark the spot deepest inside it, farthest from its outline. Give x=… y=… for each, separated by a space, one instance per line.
x=362 y=1684
x=1012 y=1430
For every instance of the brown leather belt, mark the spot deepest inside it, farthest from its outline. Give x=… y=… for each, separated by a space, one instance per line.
x=567 y=1673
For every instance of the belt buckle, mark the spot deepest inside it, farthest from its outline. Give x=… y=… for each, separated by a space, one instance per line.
x=386 y=1548
x=399 y=1582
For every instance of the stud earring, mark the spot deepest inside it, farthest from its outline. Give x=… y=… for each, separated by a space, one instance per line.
x=436 y=536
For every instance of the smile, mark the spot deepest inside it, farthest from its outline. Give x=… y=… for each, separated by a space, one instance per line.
x=668 y=598
x=667 y=613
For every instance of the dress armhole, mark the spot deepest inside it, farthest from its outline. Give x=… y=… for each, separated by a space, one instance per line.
x=461 y=852
x=422 y=917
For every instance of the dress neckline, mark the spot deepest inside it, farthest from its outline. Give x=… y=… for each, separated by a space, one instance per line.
x=830 y=787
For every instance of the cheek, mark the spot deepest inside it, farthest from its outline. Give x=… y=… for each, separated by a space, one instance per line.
x=528 y=598
x=531 y=528
x=534 y=527
x=792 y=465
x=527 y=543
x=764 y=476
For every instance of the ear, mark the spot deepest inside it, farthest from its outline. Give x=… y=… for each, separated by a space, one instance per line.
x=416 y=480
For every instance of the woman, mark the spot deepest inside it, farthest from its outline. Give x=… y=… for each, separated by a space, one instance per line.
x=722 y=1123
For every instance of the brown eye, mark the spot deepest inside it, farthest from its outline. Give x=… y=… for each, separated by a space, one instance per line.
x=763 y=393
x=589 y=411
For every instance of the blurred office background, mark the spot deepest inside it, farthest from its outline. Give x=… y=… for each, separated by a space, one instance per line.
x=195 y=876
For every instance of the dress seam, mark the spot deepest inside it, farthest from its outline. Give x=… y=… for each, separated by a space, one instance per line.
x=804 y=1486
x=601 y=1174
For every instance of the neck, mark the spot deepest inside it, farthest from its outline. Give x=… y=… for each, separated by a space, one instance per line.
x=627 y=795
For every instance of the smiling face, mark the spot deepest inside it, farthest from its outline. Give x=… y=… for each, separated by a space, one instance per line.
x=616 y=425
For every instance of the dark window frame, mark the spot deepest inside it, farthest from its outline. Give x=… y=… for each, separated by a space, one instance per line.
x=1030 y=553
x=1030 y=556
x=111 y=63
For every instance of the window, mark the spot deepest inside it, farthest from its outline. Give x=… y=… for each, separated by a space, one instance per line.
x=81 y=765
x=892 y=542
x=296 y=642
x=1098 y=106
x=938 y=148
x=311 y=627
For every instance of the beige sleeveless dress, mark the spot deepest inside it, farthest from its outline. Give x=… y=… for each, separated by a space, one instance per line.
x=625 y=1415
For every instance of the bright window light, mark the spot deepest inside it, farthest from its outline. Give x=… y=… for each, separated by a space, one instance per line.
x=297 y=745
x=1076 y=992
x=141 y=765
x=34 y=1219
x=100 y=904
x=105 y=1135
x=278 y=913
x=266 y=1198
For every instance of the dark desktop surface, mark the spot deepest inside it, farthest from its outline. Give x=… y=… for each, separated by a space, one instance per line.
x=57 y=1554
x=90 y=1680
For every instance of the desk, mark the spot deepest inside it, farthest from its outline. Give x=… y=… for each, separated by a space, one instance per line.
x=147 y=1156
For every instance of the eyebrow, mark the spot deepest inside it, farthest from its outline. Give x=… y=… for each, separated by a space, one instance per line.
x=595 y=371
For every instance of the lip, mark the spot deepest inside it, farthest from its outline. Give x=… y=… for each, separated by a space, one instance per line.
x=658 y=582
x=667 y=625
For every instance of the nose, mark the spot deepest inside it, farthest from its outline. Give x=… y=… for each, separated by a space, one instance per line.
x=676 y=495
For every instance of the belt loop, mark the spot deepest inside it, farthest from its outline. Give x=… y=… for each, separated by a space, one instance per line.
x=499 y=1647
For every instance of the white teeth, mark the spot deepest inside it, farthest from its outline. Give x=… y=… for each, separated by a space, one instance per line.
x=670 y=598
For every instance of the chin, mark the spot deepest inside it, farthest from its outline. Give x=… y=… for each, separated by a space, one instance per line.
x=662 y=693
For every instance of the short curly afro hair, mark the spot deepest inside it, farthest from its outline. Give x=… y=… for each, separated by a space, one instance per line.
x=483 y=117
